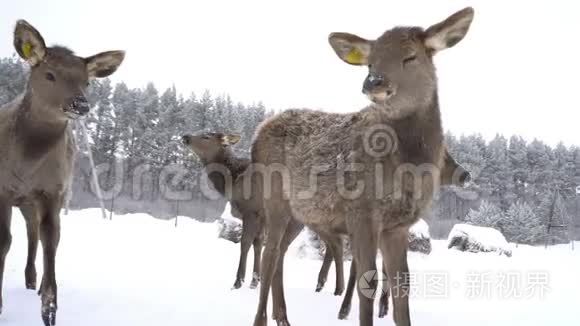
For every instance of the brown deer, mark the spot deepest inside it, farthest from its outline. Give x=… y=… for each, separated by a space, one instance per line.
x=223 y=169
x=371 y=192
x=37 y=147
x=215 y=153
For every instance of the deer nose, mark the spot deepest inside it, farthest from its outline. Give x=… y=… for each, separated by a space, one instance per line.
x=372 y=82
x=464 y=177
x=80 y=105
x=186 y=139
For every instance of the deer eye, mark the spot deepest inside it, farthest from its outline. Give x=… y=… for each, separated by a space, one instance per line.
x=205 y=137
x=50 y=76
x=409 y=59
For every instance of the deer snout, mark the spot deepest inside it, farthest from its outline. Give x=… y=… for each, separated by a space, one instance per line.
x=464 y=177
x=373 y=81
x=78 y=105
x=186 y=139
x=377 y=85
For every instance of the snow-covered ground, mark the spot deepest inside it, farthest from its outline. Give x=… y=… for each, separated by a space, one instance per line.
x=136 y=270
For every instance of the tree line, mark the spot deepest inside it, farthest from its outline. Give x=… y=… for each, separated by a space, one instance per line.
x=514 y=181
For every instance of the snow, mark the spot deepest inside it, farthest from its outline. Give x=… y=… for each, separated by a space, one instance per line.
x=420 y=229
x=137 y=270
x=488 y=239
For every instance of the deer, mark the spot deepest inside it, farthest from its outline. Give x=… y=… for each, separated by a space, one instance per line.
x=223 y=169
x=329 y=169
x=37 y=147
x=214 y=151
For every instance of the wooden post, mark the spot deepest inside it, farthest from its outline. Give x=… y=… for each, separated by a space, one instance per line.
x=112 y=208
x=177 y=212
x=93 y=169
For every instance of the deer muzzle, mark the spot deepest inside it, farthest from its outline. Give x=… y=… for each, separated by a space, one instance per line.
x=377 y=86
x=78 y=107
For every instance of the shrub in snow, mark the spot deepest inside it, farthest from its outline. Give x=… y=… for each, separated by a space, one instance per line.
x=310 y=245
x=419 y=238
x=230 y=228
x=473 y=238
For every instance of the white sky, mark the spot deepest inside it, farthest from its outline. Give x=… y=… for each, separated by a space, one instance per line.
x=516 y=72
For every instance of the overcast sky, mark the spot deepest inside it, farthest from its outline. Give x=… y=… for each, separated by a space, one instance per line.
x=516 y=72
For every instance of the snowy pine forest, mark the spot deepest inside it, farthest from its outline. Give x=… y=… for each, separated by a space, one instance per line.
x=522 y=188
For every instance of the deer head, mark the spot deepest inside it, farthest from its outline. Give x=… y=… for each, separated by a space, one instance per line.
x=401 y=75
x=58 y=78
x=210 y=146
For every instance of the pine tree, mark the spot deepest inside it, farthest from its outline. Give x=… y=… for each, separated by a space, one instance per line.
x=488 y=215
x=518 y=158
x=125 y=109
x=563 y=171
x=554 y=218
x=103 y=130
x=497 y=174
x=145 y=128
x=13 y=78
x=540 y=162
x=524 y=225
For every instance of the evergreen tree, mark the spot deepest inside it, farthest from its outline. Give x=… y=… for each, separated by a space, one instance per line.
x=540 y=173
x=488 y=215
x=524 y=225
x=554 y=218
x=13 y=77
x=497 y=174
x=125 y=109
x=518 y=159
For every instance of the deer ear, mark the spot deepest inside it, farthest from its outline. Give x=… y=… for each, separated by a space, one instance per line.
x=350 y=48
x=28 y=43
x=104 y=64
x=450 y=31
x=229 y=140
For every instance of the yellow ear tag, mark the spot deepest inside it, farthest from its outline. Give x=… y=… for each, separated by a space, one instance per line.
x=27 y=50
x=354 y=57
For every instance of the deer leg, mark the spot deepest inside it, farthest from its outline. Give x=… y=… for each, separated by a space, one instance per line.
x=365 y=252
x=347 y=300
x=384 y=301
x=394 y=248
x=277 y=220
x=249 y=229
x=50 y=237
x=5 y=240
x=31 y=218
x=257 y=260
x=278 y=301
x=323 y=274
x=336 y=244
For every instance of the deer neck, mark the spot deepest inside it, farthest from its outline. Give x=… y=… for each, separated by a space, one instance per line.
x=36 y=129
x=419 y=135
x=216 y=167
